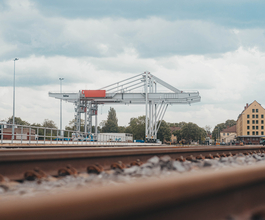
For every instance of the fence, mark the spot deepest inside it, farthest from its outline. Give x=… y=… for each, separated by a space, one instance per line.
x=22 y=134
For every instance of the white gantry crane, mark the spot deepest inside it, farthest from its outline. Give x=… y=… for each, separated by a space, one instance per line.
x=140 y=89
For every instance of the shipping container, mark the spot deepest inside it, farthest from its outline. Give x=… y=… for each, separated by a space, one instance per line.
x=94 y=93
x=119 y=137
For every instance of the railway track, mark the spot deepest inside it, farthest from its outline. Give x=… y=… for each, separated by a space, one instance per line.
x=231 y=193
x=15 y=162
x=237 y=193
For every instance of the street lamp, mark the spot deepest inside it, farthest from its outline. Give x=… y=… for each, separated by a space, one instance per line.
x=13 y=128
x=61 y=80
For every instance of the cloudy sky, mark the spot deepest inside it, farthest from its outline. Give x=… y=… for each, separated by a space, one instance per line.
x=215 y=47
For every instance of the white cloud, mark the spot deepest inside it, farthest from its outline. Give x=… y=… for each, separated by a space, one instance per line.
x=225 y=65
x=225 y=84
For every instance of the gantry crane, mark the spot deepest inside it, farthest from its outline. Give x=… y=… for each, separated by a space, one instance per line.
x=140 y=89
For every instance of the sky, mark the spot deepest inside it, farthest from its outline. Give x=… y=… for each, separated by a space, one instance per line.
x=214 y=47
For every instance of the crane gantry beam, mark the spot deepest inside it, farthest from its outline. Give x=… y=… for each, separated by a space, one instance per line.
x=123 y=92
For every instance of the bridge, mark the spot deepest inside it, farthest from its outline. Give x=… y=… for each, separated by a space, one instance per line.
x=142 y=89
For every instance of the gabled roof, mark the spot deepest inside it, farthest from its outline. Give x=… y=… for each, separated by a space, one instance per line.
x=229 y=130
x=247 y=106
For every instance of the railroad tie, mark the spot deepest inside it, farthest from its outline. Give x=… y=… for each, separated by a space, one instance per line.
x=68 y=170
x=118 y=165
x=200 y=157
x=136 y=163
x=181 y=159
x=34 y=174
x=96 y=169
x=209 y=156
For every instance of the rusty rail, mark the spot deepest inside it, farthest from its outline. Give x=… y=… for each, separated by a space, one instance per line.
x=14 y=162
x=236 y=193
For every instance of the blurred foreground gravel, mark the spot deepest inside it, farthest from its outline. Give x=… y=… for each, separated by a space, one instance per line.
x=154 y=168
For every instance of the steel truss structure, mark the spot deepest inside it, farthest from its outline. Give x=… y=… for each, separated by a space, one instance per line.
x=141 y=89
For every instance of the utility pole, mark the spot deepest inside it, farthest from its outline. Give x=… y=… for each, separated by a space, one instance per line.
x=61 y=80
x=14 y=85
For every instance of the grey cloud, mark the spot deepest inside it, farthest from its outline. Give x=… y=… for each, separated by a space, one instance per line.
x=109 y=37
x=30 y=32
x=243 y=13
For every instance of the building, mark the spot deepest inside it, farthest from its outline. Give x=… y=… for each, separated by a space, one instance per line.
x=250 y=123
x=173 y=138
x=228 y=135
x=19 y=134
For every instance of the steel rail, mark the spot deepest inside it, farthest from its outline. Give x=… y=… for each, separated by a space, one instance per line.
x=233 y=193
x=15 y=162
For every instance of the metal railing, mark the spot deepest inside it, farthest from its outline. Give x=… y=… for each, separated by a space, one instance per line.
x=30 y=135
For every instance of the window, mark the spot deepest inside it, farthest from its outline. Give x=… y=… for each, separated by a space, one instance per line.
x=257 y=116
x=253 y=132
x=247 y=127
x=248 y=121
x=262 y=116
x=257 y=127
x=262 y=133
x=248 y=132
x=253 y=127
x=253 y=121
x=262 y=127
x=253 y=110
x=247 y=116
x=224 y=134
x=253 y=116
x=262 y=122
x=257 y=133
x=257 y=110
x=257 y=121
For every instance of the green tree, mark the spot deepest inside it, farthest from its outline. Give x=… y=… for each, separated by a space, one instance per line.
x=121 y=129
x=49 y=123
x=230 y=122
x=164 y=132
x=36 y=125
x=191 y=131
x=18 y=121
x=180 y=124
x=207 y=128
x=71 y=125
x=111 y=126
x=137 y=127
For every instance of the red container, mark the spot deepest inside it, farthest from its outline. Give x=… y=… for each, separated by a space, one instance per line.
x=94 y=93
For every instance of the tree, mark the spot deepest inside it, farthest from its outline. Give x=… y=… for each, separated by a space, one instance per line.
x=230 y=122
x=49 y=123
x=191 y=131
x=111 y=126
x=207 y=128
x=137 y=127
x=121 y=129
x=164 y=132
x=71 y=125
x=18 y=121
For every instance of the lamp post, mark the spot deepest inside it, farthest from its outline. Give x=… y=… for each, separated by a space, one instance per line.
x=61 y=80
x=13 y=128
